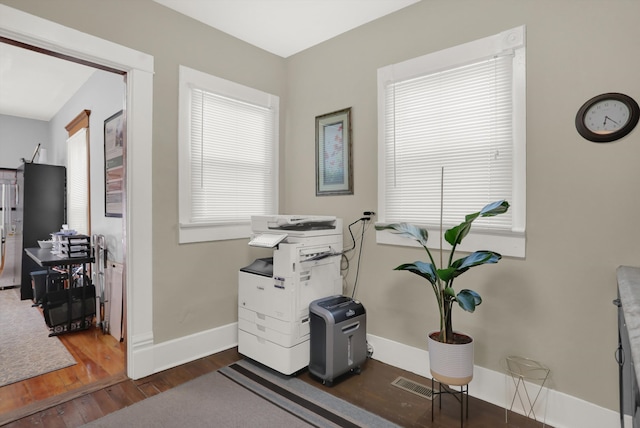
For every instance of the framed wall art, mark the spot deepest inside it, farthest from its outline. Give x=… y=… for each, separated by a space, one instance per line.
x=334 y=166
x=114 y=165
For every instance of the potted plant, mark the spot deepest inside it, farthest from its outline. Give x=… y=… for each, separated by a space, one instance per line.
x=441 y=280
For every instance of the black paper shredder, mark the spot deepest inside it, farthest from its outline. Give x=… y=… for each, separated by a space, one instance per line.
x=338 y=337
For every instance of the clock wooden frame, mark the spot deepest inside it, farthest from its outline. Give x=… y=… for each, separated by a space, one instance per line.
x=634 y=115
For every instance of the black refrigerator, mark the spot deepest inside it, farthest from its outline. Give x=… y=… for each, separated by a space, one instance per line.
x=41 y=210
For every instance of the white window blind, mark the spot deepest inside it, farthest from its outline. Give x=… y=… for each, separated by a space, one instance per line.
x=231 y=159
x=78 y=182
x=452 y=125
x=228 y=157
x=459 y=120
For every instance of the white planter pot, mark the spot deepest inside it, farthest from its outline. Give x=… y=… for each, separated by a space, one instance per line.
x=451 y=364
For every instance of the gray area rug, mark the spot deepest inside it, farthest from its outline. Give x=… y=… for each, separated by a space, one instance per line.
x=242 y=395
x=26 y=350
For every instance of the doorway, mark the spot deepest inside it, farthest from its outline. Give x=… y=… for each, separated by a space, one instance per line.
x=99 y=355
x=137 y=218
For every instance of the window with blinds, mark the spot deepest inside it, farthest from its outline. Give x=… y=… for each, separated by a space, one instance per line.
x=78 y=182
x=228 y=157
x=458 y=121
x=452 y=136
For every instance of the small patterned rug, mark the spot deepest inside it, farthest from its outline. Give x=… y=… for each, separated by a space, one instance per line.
x=26 y=350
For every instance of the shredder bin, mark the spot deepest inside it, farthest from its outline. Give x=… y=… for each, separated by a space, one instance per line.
x=338 y=337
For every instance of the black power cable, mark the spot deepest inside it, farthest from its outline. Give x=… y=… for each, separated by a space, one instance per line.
x=363 y=220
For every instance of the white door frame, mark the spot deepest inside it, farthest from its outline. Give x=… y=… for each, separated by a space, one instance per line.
x=23 y=27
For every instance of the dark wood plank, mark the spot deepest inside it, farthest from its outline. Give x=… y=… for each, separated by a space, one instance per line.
x=27 y=422
x=125 y=394
x=69 y=414
x=88 y=408
x=149 y=389
x=105 y=402
x=50 y=418
x=200 y=367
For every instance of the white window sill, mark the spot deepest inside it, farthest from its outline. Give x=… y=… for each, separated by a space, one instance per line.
x=193 y=232
x=508 y=244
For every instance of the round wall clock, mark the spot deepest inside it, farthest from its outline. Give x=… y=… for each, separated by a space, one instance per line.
x=607 y=117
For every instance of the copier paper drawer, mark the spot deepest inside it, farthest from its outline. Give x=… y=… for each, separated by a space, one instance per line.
x=283 y=333
x=258 y=293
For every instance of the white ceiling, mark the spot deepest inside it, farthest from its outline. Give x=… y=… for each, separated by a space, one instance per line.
x=285 y=27
x=36 y=86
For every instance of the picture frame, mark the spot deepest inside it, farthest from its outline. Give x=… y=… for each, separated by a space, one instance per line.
x=334 y=164
x=114 y=165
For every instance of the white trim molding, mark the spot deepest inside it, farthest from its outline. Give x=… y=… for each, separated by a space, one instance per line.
x=198 y=345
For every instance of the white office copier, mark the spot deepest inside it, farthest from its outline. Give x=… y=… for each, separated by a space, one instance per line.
x=274 y=293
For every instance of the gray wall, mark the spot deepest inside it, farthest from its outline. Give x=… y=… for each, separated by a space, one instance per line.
x=582 y=198
x=19 y=137
x=102 y=94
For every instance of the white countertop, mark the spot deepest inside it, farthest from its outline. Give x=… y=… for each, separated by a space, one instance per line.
x=629 y=289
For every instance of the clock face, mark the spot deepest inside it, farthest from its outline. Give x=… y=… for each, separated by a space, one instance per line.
x=606 y=116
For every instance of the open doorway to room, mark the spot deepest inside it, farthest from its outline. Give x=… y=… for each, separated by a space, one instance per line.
x=137 y=218
x=99 y=93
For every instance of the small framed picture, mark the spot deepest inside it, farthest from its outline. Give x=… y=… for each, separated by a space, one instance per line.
x=334 y=166
x=114 y=165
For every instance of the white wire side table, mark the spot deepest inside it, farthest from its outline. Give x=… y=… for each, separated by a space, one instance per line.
x=524 y=371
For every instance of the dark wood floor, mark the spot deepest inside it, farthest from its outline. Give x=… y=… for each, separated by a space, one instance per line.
x=371 y=390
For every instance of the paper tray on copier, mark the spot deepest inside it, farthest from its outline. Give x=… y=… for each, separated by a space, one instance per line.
x=263 y=267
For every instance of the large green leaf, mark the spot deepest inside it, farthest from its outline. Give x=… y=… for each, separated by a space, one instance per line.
x=455 y=235
x=468 y=300
x=423 y=269
x=448 y=274
x=476 y=258
x=408 y=231
x=462 y=265
x=494 y=208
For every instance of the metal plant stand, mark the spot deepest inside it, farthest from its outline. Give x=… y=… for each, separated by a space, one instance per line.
x=462 y=396
x=522 y=371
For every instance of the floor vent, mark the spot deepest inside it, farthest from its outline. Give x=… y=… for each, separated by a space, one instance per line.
x=413 y=387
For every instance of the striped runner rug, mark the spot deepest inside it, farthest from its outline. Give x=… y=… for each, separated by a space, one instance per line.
x=299 y=398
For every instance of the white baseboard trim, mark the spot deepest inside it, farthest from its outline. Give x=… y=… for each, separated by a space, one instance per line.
x=189 y=348
x=562 y=410
x=140 y=356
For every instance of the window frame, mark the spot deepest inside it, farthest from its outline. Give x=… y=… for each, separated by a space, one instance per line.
x=189 y=78
x=508 y=243
x=79 y=188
